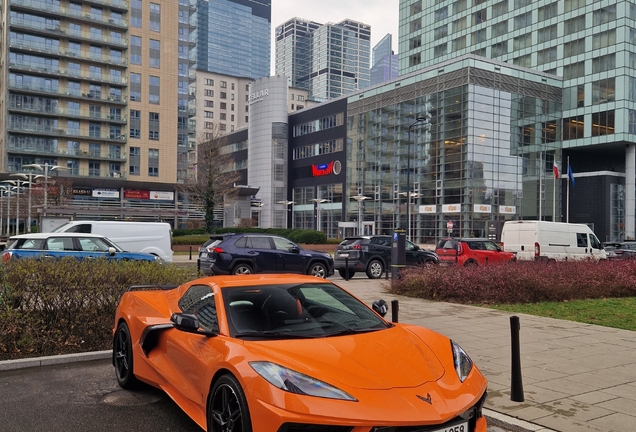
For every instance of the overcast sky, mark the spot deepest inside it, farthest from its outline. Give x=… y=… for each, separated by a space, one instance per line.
x=381 y=15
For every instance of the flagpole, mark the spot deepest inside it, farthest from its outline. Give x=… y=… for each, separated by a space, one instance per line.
x=554 y=199
x=540 y=182
x=567 y=205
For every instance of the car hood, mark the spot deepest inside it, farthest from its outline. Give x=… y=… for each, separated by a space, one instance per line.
x=378 y=360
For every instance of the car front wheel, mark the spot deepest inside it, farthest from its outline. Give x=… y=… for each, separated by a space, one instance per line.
x=318 y=269
x=227 y=407
x=123 y=357
x=375 y=269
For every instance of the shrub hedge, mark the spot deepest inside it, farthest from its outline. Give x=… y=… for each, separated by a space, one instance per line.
x=520 y=282
x=295 y=235
x=68 y=306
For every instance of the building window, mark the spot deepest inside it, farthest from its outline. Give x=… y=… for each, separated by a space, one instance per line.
x=415 y=59
x=499 y=49
x=223 y=116
x=208 y=104
x=524 y=61
x=546 y=56
x=573 y=128
x=93 y=168
x=459 y=6
x=440 y=14
x=94 y=130
x=135 y=87
x=155 y=17
x=415 y=42
x=416 y=25
x=153 y=89
x=574 y=25
x=603 y=91
x=440 y=32
x=500 y=8
x=208 y=114
x=500 y=29
x=208 y=93
x=135 y=13
x=574 y=48
x=571 y=5
x=154 y=53
x=575 y=70
x=133 y=163
x=153 y=126
x=604 y=63
x=440 y=50
x=548 y=11
x=608 y=38
x=603 y=123
x=479 y=36
x=208 y=125
x=547 y=33
x=223 y=95
x=153 y=162
x=209 y=82
x=135 y=124
x=523 y=20
x=223 y=105
x=222 y=126
x=479 y=17
x=521 y=42
x=223 y=84
x=604 y=15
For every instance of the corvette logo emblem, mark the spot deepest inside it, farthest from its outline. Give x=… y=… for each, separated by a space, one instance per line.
x=426 y=399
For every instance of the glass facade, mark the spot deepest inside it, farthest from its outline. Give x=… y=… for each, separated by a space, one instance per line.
x=471 y=145
x=233 y=37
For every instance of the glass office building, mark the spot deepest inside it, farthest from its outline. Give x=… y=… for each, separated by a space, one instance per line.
x=591 y=46
x=385 y=63
x=233 y=37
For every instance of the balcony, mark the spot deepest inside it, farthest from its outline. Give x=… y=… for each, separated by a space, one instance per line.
x=57 y=31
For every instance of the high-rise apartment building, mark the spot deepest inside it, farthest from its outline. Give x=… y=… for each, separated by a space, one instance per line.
x=329 y=60
x=385 y=63
x=590 y=45
x=233 y=37
x=99 y=88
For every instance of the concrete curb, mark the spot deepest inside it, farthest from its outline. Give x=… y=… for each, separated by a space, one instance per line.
x=514 y=421
x=52 y=360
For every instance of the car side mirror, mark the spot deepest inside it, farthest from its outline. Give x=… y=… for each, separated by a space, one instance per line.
x=188 y=323
x=111 y=251
x=294 y=249
x=416 y=247
x=380 y=307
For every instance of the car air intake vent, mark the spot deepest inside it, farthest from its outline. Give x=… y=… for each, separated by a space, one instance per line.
x=297 y=427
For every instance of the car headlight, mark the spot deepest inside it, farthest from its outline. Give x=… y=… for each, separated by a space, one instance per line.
x=463 y=363
x=295 y=382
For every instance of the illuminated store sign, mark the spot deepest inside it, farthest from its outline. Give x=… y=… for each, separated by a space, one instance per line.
x=326 y=169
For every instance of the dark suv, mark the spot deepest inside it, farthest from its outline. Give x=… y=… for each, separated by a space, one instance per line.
x=372 y=254
x=260 y=253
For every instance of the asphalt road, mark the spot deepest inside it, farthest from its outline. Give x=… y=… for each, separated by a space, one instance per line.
x=85 y=397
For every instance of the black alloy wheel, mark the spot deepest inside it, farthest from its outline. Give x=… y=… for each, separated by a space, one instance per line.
x=318 y=270
x=123 y=357
x=242 y=269
x=227 y=407
x=375 y=269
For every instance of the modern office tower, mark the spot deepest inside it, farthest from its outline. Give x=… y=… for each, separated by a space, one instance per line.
x=98 y=88
x=233 y=37
x=590 y=45
x=385 y=63
x=330 y=60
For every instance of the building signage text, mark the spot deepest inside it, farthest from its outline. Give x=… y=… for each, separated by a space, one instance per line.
x=322 y=169
x=258 y=95
x=451 y=208
x=428 y=209
x=482 y=208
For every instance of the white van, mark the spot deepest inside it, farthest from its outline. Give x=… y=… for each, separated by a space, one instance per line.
x=149 y=237
x=559 y=241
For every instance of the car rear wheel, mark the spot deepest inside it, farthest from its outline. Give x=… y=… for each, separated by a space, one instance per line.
x=227 y=407
x=471 y=263
x=375 y=269
x=123 y=357
x=242 y=269
x=343 y=273
x=318 y=269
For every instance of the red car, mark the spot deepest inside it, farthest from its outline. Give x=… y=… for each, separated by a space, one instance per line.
x=471 y=251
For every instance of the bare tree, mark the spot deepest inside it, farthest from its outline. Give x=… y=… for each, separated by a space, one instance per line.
x=214 y=175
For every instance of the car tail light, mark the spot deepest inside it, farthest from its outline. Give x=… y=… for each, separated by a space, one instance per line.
x=6 y=256
x=357 y=247
x=217 y=250
x=537 y=250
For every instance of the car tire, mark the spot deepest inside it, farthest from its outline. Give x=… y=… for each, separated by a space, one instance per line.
x=343 y=273
x=227 y=407
x=123 y=357
x=318 y=270
x=375 y=269
x=242 y=269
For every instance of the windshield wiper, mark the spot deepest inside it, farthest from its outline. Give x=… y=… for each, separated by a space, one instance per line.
x=352 y=331
x=273 y=335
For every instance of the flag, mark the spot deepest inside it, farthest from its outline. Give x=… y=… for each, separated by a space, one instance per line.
x=570 y=175
x=555 y=168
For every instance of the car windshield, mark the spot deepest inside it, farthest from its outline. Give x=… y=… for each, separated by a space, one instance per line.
x=308 y=310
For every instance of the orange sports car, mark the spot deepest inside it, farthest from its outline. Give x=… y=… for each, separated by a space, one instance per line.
x=292 y=353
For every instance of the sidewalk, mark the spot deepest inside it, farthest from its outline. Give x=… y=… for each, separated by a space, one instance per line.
x=576 y=377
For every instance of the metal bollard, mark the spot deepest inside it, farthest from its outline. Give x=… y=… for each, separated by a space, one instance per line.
x=395 y=307
x=190 y=253
x=347 y=268
x=516 y=384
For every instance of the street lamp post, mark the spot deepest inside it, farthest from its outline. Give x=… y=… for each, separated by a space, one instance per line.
x=30 y=177
x=45 y=168
x=288 y=203
x=408 y=176
x=360 y=198
x=318 y=201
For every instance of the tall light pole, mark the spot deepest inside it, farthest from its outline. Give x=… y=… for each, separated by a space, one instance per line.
x=7 y=189
x=30 y=177
x=288 y=203
x=360 y=198
x=3 y=190
x=408 y=176
x=318 y=201
x=45 y=168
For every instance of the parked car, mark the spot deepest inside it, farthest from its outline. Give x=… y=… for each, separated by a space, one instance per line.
x=260 y=253
x=620 y=250
x=471 y=251
x=75 y=245
x=268 y=353
x=372 y=254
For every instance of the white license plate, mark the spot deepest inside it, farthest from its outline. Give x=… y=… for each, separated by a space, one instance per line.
x=203 y=255
x=343 y=255
x=461 y=427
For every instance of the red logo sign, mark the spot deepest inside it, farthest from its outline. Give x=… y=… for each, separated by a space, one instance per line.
x=322 y=169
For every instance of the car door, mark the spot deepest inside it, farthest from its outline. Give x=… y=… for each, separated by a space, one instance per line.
x=289 y=256
x=60 y=247
x=260 y=250
x=93 y=247
x=413 y=258
x=494 y=252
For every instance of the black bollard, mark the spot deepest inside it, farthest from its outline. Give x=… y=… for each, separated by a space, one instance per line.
x=346 y=268
x=516 y=384
x=190 y=253
x=395 y=307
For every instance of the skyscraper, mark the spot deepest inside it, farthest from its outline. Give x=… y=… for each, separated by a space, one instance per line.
x=385 y=63
x=329 y=60
x=233 y=37
x=590 y=45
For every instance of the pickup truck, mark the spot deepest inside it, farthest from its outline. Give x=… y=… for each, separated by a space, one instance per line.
x=75 y=245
